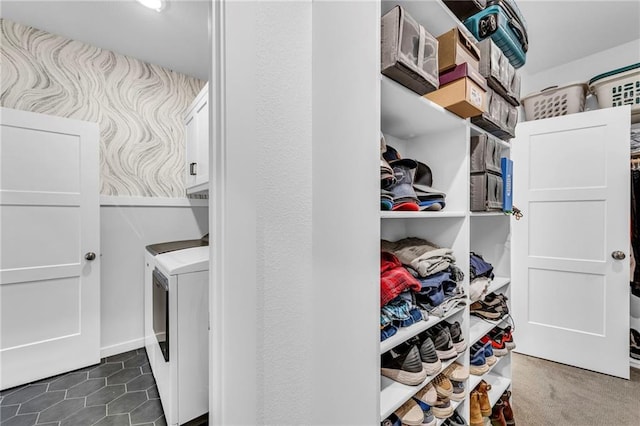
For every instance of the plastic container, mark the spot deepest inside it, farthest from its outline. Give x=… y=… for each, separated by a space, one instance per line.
x=618 y=87
x=555 y=101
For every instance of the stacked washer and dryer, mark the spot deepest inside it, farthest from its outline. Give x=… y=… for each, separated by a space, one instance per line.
x=176 y=306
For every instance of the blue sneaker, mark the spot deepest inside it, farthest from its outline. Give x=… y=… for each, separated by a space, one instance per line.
x=429 y=418
x=478 y=364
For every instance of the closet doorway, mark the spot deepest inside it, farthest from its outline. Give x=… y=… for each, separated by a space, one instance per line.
x=570 y=288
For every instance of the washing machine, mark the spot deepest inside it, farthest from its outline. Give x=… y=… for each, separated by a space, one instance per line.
x=176 y=300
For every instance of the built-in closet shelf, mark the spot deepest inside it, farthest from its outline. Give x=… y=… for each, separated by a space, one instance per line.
x=497 y=283
x=405 y=333
x=499 y=384
x=406 y=115
x=478 y=327
x=476 y=131
x=496 y=213
x=393 y=394
x=475 y=380
x=421 y=215
x=454 y=405
x=435 y=16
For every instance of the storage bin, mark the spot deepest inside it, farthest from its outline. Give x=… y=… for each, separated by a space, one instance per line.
x=498 y=71
x=618 y=87
x=494 y=120
x=409 y=52
x=486 y=192
x=555 y=101
x=485 y=154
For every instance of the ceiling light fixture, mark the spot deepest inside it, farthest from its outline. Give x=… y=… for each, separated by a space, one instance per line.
x=156 y=5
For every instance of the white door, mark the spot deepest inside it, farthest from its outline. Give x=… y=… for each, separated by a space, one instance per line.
x=570 y=296
x=49 y=229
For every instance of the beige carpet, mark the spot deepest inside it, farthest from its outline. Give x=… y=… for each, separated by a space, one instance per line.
x=551 y=394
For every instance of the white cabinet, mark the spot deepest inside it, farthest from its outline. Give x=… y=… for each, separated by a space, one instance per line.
x=197 y=143
x=424 y=131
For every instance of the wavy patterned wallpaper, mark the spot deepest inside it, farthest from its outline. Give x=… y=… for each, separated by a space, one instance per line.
x=138 y=106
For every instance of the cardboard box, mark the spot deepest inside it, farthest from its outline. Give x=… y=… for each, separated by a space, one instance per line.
x=460 y=71
x=455 y=48
x=462 y=97
x=409 y=53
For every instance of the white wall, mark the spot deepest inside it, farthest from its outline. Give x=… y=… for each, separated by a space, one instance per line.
x=126 y=226
x=295 y=292
x=582 y=70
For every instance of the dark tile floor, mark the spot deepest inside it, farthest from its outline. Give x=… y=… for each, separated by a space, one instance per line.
x=120 y=391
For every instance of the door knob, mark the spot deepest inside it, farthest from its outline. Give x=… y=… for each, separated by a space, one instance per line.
x=90 y=256
x=618 y=255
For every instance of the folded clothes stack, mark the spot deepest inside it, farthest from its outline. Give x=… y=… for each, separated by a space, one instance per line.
x=416 y=276
x=406 y=184
x=481 y=274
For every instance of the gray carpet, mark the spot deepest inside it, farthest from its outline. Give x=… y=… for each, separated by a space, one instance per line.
x=548 y=393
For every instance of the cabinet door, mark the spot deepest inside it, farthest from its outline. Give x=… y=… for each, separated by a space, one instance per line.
x=202 y=120
x=570 y=278
x=191 y=150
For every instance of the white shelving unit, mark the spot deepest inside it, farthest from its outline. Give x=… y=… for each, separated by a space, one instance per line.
x=424 y=131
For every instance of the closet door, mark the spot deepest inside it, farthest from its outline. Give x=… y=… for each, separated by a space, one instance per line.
x=570 y=288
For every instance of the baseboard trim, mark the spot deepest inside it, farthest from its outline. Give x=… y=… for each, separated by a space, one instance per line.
x=121 y=347
x=114 y=201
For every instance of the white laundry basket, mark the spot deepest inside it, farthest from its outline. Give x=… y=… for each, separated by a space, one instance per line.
x=555 y=101
x=618 y=87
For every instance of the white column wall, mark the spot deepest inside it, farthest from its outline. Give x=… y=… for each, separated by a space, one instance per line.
x=583 y=69
x=295 y=287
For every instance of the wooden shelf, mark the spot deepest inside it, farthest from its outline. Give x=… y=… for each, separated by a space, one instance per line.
x=499 y=384
x=455 y=405
x=406 y=115
x=393 y=394
x=479 y=327
x=421 y=215
x=497 y=283
x=475 y=380
x=405 y=333
x=496 y=213
x=476 y=131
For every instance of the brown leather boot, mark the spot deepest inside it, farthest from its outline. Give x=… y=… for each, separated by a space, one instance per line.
x=485 y=405
x=475 y=416
x=497 y=415
x=507 y=411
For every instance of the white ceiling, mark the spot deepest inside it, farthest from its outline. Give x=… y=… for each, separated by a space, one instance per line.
x=560 y=31
x=177 y=38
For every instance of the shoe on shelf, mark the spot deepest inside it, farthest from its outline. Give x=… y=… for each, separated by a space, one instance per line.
x=429 y=419
x=457 y=338
x=478 y=365
x=405 y=367
x=444 y=344
x=497 y=415
x=427 y=394
x=455 y=420
x=507 y=410
x=483 y=389
x=410 y=413
x=457 y=372
x=392 y=420
x=458 y=390
x=480 y=309
x=505 y=335
x=475 y=416
x=430 y=361
x=489 y=357
x=498 y=346
x=444 y=387
x=442 y=409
